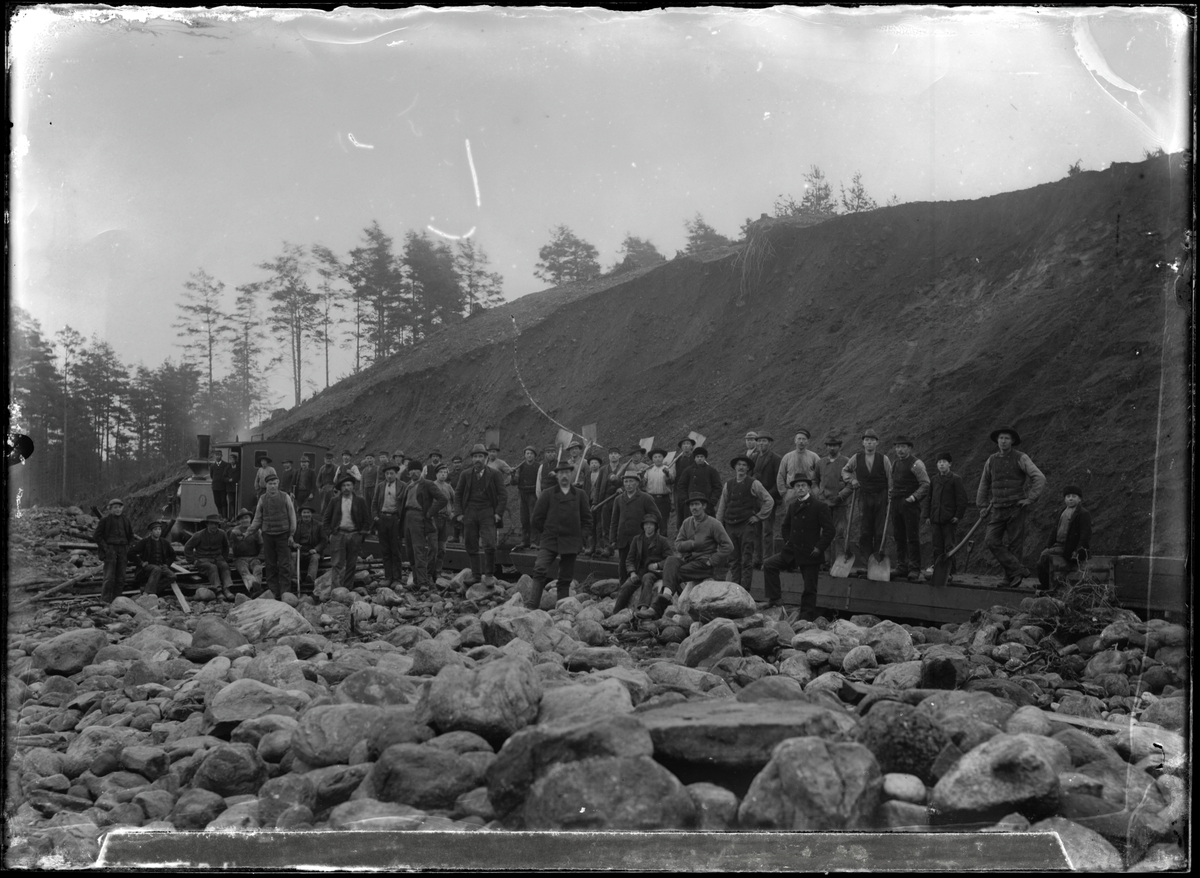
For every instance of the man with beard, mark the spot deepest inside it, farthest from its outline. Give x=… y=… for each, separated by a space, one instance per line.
x=479 y=498
x=631 y=508
x=346 y=520
x=388 y=509
x=744 y=505
x=562 y=516
x=702 y=551
x=807 y=533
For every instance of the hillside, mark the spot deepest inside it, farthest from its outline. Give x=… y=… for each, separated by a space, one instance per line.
x=1046 y=309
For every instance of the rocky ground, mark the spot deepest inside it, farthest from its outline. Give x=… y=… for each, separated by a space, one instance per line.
x=458 y=709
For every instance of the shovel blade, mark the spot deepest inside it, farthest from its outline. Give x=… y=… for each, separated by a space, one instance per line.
x=941 y=571
x=842 y=566
x=879 y=569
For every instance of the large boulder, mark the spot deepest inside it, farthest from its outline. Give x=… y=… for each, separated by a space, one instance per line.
x=578 y=702
x=430 y=656
x=70 y=652
x=607 y=793
x=422 y=776
x=94 y=742
x=213 y=631
x=689 y=681
x=266 y=619
x=231 y=770
x=376 y=686
x=529 y=753
x=737 y=734
x=714 y=599
x=152 y=635
x=326 y=734
x=891 y=643
x=511 y=621
x=712 y=642
x=1004 y=774
x=903 y=739
x=494 y=700
x=246 y=699
x=813 y=784
x=276 y=666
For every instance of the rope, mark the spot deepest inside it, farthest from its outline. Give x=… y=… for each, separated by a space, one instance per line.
x=529 y=396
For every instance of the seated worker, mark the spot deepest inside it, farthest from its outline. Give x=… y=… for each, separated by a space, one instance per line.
x=1069 y=540
x=156 y=556
x=703 y=551
x=807 y=532
x=310 y=543
x=208 y=549
x=247 y=552
x=647 y=554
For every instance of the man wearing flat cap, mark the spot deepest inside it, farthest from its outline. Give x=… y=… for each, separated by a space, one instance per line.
x=1067 y=544
x=743 y=507
x=113 y=536
x=834 y=493
x=370 y=477
x=387 y=515
x=346 y=521
x=766 y=470
x=525 y=477
x=562 y=516
x=156 y=555
x=870 y=474
x=1010 y=482
x=275 y=516
x=751 y=444
x=801 y=461
x=630 y=509
x=648 y=553
x=910 y=487
x=494 y=462
x=208 y=549
x=479 y=500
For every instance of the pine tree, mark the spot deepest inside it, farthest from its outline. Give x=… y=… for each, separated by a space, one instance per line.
x=433 y=281
x=566 y=259
x=205 y=326
x=701 y=236
x=246 y=384
x=381 y=310
x=481 y=288
x=857 y=200
x=636 y=253
x=293 y=312
x=332 y=298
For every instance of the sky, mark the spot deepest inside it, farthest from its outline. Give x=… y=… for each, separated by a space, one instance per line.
x=148 y=144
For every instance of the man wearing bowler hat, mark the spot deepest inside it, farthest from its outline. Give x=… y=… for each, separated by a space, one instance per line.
x=743 y=507
x=807 y=533
x=479 y=499
x=1010 y=482
x=910 y=486
x=562 y=516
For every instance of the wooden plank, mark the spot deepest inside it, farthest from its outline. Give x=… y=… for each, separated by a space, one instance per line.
x=1154 y=584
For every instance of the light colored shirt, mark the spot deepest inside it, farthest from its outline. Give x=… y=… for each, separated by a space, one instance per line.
x=347 y=518
x=796 y=463
x=389 y=496
x=656 y=480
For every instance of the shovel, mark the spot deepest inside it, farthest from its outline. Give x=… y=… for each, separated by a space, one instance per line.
x=941 y=567
x=879 y=565
x=842 y=566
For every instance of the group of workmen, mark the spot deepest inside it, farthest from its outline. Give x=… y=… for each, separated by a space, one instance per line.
x=582 y=504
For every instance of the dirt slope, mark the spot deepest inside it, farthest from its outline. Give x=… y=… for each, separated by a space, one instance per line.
x=1046 y=309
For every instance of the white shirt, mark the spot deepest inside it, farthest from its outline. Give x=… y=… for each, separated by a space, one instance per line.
x=347 y=518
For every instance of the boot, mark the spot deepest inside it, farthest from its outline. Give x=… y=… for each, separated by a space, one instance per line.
x=564 y=591
x=656 y=609
x=535 y=596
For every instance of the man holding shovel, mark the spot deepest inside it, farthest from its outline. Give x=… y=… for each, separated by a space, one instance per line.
x=1010 y=482
x=871 y=475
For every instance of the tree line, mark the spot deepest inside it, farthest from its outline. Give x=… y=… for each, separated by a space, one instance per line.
x=567 y=258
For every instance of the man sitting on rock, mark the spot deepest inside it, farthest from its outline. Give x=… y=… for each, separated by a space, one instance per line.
x=647 y=554
x=1068 y=541
x=113 y=535
x=247 y=552
x=562 y=516
x=630 y=509
x=156 y=556
x=703 y=551
x=807 y=532
x=207 y=550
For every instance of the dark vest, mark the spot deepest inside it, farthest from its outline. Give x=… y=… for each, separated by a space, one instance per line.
x=1008 y=482
x=741 y=503
x=873 y=480
x=527 y=477
x=275 y=514
x=904 y=482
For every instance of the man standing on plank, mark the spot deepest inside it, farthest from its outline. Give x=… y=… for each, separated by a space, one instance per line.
x=946 y=507
x=871 y=475
x=479 y=499
x=910 y=486
x=1010 y=482
x=562 y=516
x=743 y=507
x=807 y=533
x=525 y=477
x=800 y=462
x=766 y=470
x=834 y=493
x=422 y=505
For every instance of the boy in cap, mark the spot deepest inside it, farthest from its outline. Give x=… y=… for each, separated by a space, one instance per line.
x=834 y=493
x=562 y=516
x=910 y=486
x=648 y=552
x=346 y=520
x=113 y=536
x=743 y=507
x=479 y=500
x=208 y=549
x=766 y=470
x=1010 y=482
x=801 y=461
x=247 y=552
x=807 y=533
x=275 y=516
x=871 y=475
x=751 y=444
x=156 y=556
x=679 y=470
x=260 y=477
x=388 y=514
x=702 y=551
x=945 y=507
x=630 y=509
x=703 y=479
x=1068 y=542
x=310 y=543
x=325 y=476
x=525 y=477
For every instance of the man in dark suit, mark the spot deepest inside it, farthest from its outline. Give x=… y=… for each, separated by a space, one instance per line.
x=479 y=499
x=346 y=520
x=562 y=516
x=807 y=533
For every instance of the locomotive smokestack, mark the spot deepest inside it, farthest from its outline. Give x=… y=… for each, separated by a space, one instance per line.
x=203 y=441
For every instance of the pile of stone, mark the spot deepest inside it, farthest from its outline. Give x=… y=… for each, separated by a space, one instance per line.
x=46 y=544
x=380 y=709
